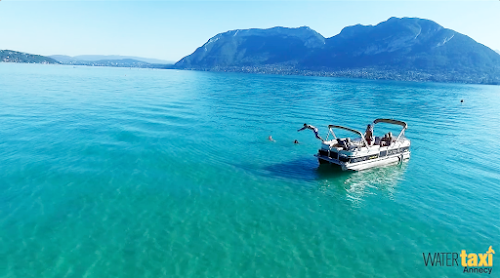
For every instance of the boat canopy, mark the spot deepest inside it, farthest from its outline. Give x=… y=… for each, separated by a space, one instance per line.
x=391 y=121
x=346 y=128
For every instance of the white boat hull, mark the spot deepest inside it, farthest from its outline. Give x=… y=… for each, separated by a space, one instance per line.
x=360 y=166
x=367 y=158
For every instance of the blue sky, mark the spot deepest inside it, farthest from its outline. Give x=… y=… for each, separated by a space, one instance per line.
x=170 y=30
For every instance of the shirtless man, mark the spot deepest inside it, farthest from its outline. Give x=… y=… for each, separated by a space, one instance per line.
x=369 y=134
x=306 y=126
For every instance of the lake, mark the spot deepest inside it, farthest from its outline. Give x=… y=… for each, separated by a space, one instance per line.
x=119 y=172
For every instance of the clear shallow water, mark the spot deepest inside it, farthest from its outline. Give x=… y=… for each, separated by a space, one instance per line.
x=114 y=172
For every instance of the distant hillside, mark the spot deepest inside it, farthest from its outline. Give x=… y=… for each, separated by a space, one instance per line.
x=110 y=63
x=253 y=47
x=399 y=48
x=20 y=57
x=92 y=58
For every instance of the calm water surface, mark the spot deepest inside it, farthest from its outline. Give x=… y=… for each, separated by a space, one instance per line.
x=117 y=172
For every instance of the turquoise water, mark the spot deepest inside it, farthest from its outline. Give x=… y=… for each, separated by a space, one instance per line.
x=117 y=172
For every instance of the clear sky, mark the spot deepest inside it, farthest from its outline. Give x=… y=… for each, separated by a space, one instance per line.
x=170 y=30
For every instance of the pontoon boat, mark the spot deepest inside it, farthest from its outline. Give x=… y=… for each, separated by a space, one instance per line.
x=357 y=154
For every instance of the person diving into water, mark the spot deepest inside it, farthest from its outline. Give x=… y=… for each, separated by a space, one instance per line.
x=306 y=126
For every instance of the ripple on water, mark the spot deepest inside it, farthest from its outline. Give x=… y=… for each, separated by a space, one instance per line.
x=125 y=172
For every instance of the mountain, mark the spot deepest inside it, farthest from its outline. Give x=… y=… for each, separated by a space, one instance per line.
x=251 y=47
x=92 y=58
x=21 y=57
x=399 y=48
x=408 y=43
x=497 y=51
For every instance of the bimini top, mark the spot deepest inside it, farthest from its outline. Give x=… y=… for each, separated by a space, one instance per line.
x=346 y=128
x=391 y=121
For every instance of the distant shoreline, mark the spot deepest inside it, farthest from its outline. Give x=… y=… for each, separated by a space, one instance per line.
x=368 y=74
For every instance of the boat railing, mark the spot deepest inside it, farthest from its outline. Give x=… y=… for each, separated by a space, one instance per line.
x=360 y=138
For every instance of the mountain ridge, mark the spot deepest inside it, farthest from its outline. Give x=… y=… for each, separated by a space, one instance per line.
x=407 y=47
x=113 y=61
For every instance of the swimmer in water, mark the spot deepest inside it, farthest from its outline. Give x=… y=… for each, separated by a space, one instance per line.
x=306 y=126
x=296 y=142
x=270 y=138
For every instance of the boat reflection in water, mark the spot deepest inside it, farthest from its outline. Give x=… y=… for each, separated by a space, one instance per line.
x=356 y=185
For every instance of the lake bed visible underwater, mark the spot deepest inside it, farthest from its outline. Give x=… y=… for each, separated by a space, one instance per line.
x=118 y=172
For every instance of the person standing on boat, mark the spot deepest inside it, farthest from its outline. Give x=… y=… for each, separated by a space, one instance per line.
x=369 y=134
x=306 y=126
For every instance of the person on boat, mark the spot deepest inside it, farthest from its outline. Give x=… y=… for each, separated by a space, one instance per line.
x=306 y=126
x=343 y=143
x=346 y=144
x=369 y=134
x=386 y=141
